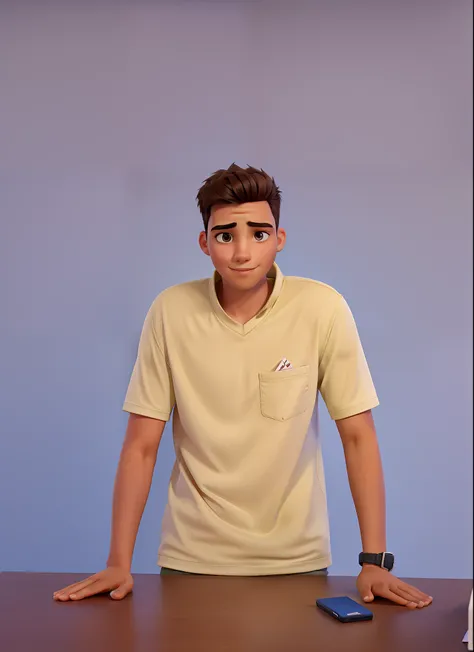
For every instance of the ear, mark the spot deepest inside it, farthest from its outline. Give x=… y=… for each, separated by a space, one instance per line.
x=281 y=239
x=203 y=243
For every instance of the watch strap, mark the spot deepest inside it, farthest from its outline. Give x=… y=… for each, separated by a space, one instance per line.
x=382 y=559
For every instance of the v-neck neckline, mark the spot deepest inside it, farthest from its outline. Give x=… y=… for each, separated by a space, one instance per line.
x=244 y=329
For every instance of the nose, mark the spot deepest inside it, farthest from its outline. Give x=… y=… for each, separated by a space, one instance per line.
x=241 y=253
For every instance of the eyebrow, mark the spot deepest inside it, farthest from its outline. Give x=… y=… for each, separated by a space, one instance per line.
x=232 y=225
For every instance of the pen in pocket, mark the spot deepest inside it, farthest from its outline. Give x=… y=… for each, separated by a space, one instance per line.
x=284 y=364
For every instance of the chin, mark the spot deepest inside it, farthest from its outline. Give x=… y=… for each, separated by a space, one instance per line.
x=244 y=281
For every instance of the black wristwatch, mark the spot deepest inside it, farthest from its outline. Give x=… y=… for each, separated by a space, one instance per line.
x=383 y=559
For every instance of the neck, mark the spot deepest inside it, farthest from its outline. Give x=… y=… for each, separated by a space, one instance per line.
x=244 y=305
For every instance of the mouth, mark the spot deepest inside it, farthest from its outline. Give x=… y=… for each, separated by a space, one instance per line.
x=243 y=270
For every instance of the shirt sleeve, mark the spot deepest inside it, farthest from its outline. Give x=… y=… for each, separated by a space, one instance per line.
x=150 y=391
x=344 y=379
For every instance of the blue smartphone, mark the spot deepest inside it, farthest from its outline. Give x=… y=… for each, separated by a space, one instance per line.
x=344 y=609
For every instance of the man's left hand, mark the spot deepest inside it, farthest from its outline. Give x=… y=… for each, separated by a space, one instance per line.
x=375 y=581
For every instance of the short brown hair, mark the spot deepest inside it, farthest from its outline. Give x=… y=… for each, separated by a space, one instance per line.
x=237 y=185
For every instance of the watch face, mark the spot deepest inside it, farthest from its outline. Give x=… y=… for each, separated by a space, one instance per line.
x=388 y=561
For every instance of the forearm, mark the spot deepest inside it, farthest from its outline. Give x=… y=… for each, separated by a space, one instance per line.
x=131 y=489
x=364 y=469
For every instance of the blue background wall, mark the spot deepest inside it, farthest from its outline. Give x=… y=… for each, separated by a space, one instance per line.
x=111 y=117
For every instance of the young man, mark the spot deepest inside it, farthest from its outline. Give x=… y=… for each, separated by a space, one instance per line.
x=240 y=359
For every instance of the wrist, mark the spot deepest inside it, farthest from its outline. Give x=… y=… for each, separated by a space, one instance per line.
x=373 y=566
x=116 y=562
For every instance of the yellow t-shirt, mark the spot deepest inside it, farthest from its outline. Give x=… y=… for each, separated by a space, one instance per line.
x=247 y=492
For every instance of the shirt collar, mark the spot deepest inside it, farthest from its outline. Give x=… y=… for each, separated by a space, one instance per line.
x=274 y=274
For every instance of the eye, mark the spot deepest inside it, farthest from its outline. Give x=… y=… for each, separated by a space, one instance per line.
x=261 y=236
x=224 y=238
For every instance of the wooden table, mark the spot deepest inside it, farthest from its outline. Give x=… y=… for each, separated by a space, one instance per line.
x=223 y=614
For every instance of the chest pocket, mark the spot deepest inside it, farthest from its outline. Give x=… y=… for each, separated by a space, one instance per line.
x=285 y=394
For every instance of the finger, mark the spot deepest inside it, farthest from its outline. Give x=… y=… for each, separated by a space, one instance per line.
x=387 y=593
x=419 y=595
x=121 y=592
x=407 y=595
x=72 y=588
x=366 y=592
x=100 y=586
x=66 y=589
x=411 y=596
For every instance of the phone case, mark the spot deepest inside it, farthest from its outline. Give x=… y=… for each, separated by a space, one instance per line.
x=344 y=609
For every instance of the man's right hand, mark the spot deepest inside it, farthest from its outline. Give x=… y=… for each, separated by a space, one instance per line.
x=132 y=485
x=113 y=579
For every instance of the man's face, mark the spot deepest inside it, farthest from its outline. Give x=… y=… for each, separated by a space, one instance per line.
x=242 y=242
